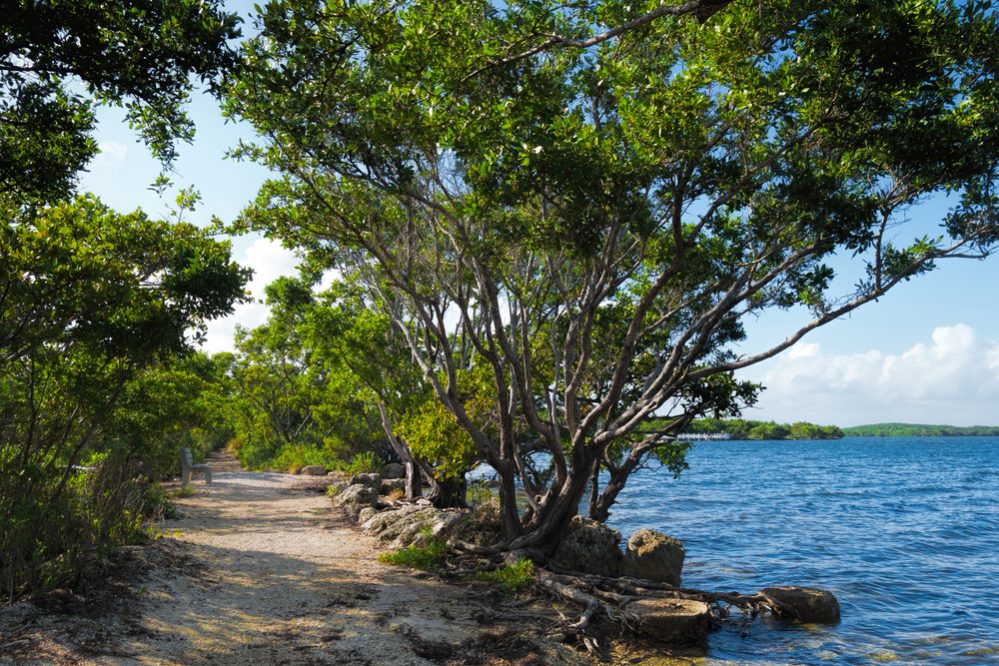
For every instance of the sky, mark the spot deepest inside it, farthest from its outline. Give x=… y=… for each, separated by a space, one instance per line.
x=928 y=352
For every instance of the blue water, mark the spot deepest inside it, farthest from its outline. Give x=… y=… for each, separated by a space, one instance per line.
x=904 y=531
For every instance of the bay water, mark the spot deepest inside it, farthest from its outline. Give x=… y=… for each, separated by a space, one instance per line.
x=904 y=531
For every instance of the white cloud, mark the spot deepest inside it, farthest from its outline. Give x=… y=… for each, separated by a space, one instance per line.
x=269 y=261
x=111 y=154
x=953 y=379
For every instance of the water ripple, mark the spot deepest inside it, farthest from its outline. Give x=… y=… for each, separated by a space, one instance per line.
x=904 y=531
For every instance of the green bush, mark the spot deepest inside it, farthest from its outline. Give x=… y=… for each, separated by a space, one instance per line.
x=429 y=556
x=157 y=504
x=479 y=493
x=293 y=457
x=510 y=577
x=54 y=527
x=362 y=463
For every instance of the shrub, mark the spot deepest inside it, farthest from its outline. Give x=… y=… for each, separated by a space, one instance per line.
x=157 y=504
x=510 y=577
x=483 y=525
x=479 y=492
x=51 y=533
x=363 y=463
x=429 y=556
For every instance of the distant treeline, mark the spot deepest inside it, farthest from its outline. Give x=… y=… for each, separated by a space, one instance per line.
x=743 y=429
x=917 y=430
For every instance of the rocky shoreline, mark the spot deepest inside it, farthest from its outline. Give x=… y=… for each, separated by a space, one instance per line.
x=649 y=567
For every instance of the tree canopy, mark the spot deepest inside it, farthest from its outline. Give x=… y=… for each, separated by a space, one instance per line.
x=91 y=303
x=99 y=310
x=588 y=200
x=58 y=57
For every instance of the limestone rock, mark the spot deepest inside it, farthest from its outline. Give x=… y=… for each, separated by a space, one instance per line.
x=378 y=524
x=673 y=621
x=373 y=480
x=404 y=526
x=591 y=547
x=366 y=514
x=313 y=470
x=355 y=497
x=654 y=556
x=393 y=471
x=388 y=485
x=807 y=604
x=338 y=487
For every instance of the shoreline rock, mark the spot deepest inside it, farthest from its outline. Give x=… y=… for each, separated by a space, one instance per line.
x=654 y=556
x=805 y=604
x=673 y=621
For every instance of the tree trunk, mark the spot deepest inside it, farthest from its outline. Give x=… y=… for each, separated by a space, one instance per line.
x=509 y=513
x=554 y=519
x=414 y=485
x=449 y=493
x=594 y=487
x=600 y=510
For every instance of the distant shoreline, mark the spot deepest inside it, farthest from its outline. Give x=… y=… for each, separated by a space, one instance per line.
x=919 y=430
x=747 y=430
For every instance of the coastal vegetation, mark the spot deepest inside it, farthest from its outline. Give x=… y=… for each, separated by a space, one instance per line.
x=99 y=310
x=547 y=225
x=747 y=429
x=566 y=213
x=919 y=430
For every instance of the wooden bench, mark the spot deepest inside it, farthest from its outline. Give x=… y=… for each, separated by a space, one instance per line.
x=187 y=467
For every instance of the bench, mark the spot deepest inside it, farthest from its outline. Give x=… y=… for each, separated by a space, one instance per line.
x=187 y=467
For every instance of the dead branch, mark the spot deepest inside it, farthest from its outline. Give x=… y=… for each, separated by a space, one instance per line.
x=552 y=583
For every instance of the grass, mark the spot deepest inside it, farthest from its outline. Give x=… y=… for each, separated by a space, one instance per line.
x=185 y=491
x=510 y=577
x=429 y=556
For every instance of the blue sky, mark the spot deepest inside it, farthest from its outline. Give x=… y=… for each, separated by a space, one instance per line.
x=928 y=352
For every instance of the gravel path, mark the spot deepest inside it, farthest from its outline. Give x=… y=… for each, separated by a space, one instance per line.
x=258 y=570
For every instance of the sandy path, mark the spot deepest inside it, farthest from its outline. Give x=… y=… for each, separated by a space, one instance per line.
x=283 y=583
x=259 y=572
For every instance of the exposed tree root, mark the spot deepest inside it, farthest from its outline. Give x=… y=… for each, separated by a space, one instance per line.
x=604 y=596
x=554 y=584
x=623 y=590
x=610 y=596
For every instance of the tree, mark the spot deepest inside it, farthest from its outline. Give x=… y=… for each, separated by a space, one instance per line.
x=90 y=302
x=326 y=373
x=181 y=401
x=589 y=199
x=58 y=58
x=295 y=403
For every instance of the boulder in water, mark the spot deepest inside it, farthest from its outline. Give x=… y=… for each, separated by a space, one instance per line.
x=654 y=556
x=806 y=604
x=673 y=621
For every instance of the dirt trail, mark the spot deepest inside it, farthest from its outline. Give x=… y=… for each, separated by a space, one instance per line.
x=260 y=571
